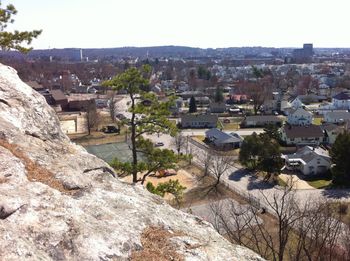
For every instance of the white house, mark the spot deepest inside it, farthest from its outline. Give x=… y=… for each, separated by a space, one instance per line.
x=286 y=107
x=262 y=120
x=299 y=117
x=302 y=135
x=341 y=100
x=309 y=160
x=337 y=116
x=296 y=103
x=199 y=121
x=217 y=107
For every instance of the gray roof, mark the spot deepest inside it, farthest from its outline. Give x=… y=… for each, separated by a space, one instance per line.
x=200 y=117
x=308 y=153
x=342 y=96
x=262 y=118
x=222 y=137
x=338 y=115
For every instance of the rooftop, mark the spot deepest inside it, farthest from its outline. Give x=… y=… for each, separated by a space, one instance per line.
x=303 y=131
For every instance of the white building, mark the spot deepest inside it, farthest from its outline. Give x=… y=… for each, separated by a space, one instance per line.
x=337 y=116
x=309 y=160
x=341 y=100
x=300 y=117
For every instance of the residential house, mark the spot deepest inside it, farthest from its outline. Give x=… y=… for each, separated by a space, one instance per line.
x=239 y=98
x=324 y=89
x=299 y=116
x=36 y=86
x=341 y=100
x=302 y=135
x=337 y=116
x=296 y=103
x=188 y=94
x=309 y=160
x=331 y=131
x=270 y=106
x=262 y=120
x=199 y=121
x=311 y=98
x=201 y=101
x=286 y=107
x=222 y=140
x=217 y=107
x=82 y=105
x=59 y=99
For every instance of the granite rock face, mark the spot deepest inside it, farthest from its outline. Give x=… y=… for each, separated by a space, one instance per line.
x=58 y=202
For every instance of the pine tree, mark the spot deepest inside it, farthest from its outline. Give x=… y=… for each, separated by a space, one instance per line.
x=192 y=105
x=14 y=40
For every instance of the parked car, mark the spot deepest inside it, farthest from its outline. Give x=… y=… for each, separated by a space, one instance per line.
x=159 y=144
x=110 y=129
x=226 y=120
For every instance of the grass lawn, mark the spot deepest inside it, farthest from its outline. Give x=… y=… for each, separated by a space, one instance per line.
x=199 y=137
x=231 y=126
x=317 y=121
x=320 y=183
x=281 y=182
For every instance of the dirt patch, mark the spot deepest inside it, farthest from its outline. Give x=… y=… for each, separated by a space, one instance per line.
x=157 y=246
x=35 y=173
x=185 y=178
x=203 y=193
x=295 y=181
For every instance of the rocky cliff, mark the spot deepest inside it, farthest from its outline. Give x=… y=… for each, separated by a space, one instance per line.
x=57 y=202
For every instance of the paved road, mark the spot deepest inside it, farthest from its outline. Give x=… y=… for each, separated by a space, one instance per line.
x=242 y=182
x=236 y=178
x=241 y=132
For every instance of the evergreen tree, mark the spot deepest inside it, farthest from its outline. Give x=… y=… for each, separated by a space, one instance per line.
x=260 y=152
x=144 y=119
x=340 y=157
x=14 y=40
x=219 y=95
x=192 y=105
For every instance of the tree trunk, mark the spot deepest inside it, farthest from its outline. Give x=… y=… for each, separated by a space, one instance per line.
x=133 y=141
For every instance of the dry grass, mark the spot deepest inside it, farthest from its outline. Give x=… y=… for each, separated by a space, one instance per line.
x=3 y=180
x=200 y=193
x=157 y=246
x=35 y=173
x=96 y=138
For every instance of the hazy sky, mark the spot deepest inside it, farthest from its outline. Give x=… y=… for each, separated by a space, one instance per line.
x=196 y=23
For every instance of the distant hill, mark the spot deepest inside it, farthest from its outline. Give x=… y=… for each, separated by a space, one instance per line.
x=73 y=54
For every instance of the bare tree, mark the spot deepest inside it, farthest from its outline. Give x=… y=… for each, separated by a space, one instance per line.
x=301 y=231
x=92 y=116
x=112 y=106
x=216 y=166
x=206 y=159
x=179 y=142
x=317 y=231
x=257 y=93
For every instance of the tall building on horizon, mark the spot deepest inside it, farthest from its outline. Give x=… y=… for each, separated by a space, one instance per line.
x=305 y=54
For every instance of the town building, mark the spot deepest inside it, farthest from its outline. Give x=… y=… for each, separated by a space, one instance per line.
x=309 y=160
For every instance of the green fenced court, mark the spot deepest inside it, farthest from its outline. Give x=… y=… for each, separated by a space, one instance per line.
x=110 y=151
